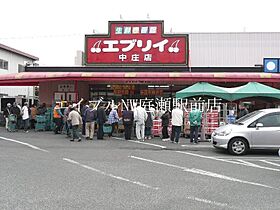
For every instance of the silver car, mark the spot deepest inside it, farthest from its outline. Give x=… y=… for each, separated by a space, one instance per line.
x=257 y=130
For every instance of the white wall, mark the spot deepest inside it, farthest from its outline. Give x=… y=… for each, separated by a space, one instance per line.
x=17 y=90
x=233 y=49
x=13 y=61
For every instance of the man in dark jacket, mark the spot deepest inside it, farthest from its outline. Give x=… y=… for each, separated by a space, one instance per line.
x=83 y=109
x=242 y=110
x=16 y=110
x=165 y=118
x=42 y=109
x=101 y=119
x=6 y=113
x=128 y=118
x=149 y=123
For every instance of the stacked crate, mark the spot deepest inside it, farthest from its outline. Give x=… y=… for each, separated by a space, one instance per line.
x=156 y=129
x=49 y=119
x=186 y=124
x=212 y=122
x=40 y=124
x=231 y=119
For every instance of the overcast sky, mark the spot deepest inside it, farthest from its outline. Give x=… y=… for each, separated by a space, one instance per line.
x=54 y=30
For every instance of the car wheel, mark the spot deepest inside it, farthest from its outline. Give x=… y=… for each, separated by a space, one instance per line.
x=238 y=146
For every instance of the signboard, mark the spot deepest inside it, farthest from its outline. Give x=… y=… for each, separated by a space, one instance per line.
x=123 y=89
x=271 y=65
x=151 y=92
x=136 y=43
x=66 y=88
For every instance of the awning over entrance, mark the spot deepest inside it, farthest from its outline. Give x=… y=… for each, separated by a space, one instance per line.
x=34 y=78
x=252 y=89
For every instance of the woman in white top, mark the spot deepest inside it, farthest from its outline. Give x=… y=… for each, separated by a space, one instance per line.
x=25 y=116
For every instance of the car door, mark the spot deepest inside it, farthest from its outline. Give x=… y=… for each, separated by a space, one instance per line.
x=267 y=136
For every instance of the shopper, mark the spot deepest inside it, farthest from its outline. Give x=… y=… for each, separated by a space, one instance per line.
x=149 y=123
x=242 y=110
x=165 y=118
x=128 y=122
x=6 y=114
x=101 y=119
x=42 y=109
x=57 y=118
x=90 y=119
x=195 y=122
x=113 y=119
x=177 y=122
x=25 y=116
x=16 y=110
x=140 y=117
x=67 y=123
x=83 y=109
x=33 y=116
x=76 y=121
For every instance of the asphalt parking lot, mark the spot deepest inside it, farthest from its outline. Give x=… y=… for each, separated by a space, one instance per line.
x=40 y=170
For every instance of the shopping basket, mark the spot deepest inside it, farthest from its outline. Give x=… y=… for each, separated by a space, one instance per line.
x=107 y=128
x=12 y=122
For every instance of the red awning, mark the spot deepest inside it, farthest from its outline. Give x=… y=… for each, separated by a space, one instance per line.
x=34 y=78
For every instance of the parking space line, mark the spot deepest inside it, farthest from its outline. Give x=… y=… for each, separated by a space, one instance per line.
x=268 y=162
x=202 y=172
x=196 y=146
x=202 y=200
x=118 y=138
x=248 y=163
x=23 y=143
x=228 y=161
x=109 y=175
x=246 y=158
x=146 y=143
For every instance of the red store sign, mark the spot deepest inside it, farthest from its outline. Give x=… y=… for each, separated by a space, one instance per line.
x=133 y=43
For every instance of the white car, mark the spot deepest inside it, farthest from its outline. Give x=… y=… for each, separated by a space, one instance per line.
x=257 y=130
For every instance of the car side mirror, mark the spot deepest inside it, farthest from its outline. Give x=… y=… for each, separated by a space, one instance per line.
x=259 y=125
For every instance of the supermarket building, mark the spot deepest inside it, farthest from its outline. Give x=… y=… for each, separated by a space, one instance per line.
x=138 y=59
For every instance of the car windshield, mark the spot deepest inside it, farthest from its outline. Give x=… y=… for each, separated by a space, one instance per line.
x=246 y=117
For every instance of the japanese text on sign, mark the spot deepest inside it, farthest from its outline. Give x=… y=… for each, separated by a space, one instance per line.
x=163 y=104
x=142 y=43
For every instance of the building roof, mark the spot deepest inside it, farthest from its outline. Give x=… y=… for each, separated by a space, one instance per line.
x=4 y=47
